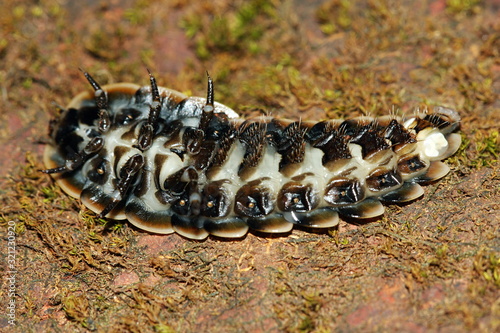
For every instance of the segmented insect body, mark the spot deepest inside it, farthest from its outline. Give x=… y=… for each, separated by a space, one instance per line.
x=167 y=162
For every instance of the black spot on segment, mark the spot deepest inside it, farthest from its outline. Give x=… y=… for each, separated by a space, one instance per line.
x=215 y=200
x=410 y=164
x=382 y=179
x=99 y=169
x=253 y=201
x=181 y=190
x=126 y=116
x=344 y=191
x=297 y=197
x=185 y=205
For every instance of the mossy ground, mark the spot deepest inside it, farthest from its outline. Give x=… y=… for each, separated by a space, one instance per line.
x=433 y=265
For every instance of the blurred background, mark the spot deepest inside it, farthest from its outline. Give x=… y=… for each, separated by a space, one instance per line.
x=437 y=261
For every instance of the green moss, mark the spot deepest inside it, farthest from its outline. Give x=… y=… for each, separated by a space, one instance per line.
x=163 y=328
x=51 y=193
x=463 y=6
x=192 y=25
x=334 y=16
x=77 y=309
x=37 y=11
x=487 y=265
x=487 y=149
x=95 y=237
x=19 y=11
x=138 y=14
x=27 y=83
x=235 y=31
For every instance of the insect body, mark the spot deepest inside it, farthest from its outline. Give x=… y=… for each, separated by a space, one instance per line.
x=167 y=162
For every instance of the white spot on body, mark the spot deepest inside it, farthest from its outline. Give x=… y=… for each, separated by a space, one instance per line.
x=434 y=143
